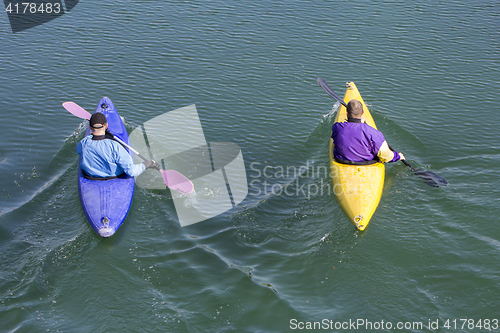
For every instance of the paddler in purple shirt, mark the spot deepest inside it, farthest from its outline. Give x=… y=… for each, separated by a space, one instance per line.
x=357 y=142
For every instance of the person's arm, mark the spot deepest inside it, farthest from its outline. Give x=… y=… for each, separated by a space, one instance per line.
x=334 y=130
x=386 y=155
x=79 y=148
x=126 y=162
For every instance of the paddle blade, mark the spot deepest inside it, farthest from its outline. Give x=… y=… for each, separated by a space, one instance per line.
x=431 y=178
x=176 y=181
x=330 y=92
x=76 y=110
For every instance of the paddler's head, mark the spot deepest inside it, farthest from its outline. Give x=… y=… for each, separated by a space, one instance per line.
x=354 y=109
x=98 y=124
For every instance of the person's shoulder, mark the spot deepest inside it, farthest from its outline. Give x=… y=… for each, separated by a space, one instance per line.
x=86 y=139
x=373 y=131
x=340 y=124
x=116 y=146
x=113 y=143
x=337 y=127
x=369 y=128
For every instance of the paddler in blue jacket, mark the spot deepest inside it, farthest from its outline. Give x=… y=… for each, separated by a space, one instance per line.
x=357 y=142
x=102 y=157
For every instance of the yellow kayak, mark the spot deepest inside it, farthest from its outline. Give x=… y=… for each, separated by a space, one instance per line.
x=358 y=187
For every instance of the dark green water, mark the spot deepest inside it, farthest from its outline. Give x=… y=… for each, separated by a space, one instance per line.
x=429 y=72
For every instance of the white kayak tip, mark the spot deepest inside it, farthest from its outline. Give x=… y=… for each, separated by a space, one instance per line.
x=106 y=232
x=357 y=221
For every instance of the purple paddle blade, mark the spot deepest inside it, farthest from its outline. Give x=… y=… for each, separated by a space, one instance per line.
x=76 y=110
x=177 y=181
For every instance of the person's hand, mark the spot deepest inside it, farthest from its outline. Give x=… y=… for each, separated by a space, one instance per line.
x=151 y=165
x=401 y=156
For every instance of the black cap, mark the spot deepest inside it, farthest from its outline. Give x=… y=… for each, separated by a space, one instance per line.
x=98 y=120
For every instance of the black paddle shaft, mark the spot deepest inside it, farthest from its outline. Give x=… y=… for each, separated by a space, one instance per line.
x=330 y=92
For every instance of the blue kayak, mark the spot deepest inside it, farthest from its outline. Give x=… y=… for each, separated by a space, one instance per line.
x=106 y=202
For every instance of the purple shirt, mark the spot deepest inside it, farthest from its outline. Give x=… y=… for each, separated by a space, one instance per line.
x=357 y=142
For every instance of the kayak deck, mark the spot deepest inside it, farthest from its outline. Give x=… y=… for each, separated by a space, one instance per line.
x=357 y=187
x=106 y=203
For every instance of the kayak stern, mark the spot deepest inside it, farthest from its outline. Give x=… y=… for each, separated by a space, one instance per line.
x=106 y=231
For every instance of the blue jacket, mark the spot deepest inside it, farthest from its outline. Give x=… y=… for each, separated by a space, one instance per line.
x=101 y=157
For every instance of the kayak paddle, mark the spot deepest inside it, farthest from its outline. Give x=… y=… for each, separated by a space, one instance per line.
x=429 y=177
x=329 y=91
x=173 y=179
